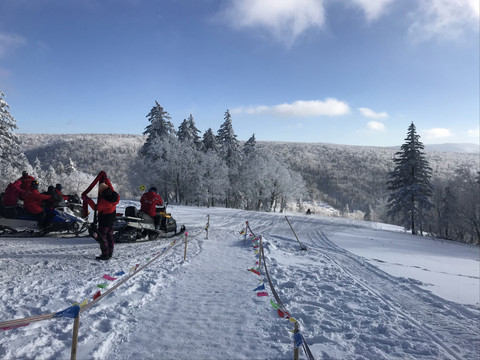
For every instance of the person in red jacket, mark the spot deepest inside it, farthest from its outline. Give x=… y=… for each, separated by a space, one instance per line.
x=26 y=180
x=149 y=202
x=107 y=213
x=13 y=192
x=32 y=202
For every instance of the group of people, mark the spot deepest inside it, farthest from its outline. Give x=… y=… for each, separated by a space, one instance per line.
x=26 y=189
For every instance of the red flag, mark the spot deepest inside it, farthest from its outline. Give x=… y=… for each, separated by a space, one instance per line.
x=254 y=271
x=97 y=294
x=263 y=293
x=283 y=314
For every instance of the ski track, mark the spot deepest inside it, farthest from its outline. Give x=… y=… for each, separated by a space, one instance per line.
x=346 y=308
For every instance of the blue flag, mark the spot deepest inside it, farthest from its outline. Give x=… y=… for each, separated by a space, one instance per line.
x=298 y=339
x=71 y=312
x=261 y=287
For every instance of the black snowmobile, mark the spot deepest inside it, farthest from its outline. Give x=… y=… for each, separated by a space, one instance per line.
x=16 y=221
x=137 y=226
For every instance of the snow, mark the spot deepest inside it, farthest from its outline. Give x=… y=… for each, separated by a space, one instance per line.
x=360 y=291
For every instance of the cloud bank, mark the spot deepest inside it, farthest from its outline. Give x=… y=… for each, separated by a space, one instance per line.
x=300 y=108
x=375 y=126
x=285 y=19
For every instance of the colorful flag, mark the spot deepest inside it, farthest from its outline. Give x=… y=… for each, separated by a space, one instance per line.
x=261 y=287
x=97 y=294
x=120 y=273
x=108 y=277
x=71 y=312
x=102 y=286
x=263 y=293
x=298 y=339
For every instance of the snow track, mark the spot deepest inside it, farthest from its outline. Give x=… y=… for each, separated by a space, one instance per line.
x=204 y=307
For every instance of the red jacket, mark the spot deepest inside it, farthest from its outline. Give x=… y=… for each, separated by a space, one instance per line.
x=32 y=201
x=12 y=193
x=26 y=181
x=149 y=201
x=107 y=207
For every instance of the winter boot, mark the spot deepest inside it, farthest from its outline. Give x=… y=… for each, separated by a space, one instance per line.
x=102 y=257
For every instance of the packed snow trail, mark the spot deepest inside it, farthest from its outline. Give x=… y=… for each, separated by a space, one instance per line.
x=205 y=307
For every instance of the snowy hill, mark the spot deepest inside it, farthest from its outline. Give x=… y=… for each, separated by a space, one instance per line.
x=360 y=291
x=336 y=174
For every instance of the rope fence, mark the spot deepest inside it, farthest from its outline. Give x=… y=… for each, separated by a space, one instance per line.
x=282 y=310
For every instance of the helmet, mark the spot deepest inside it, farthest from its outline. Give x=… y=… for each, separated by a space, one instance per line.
x=24 y=173
x=34 y=184
x=153 y=188
x=59 y=187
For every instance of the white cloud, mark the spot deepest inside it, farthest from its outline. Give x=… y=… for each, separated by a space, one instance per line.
x=373 y=8
x=285 y=19
x=437 y=133
x=444 y=18
x=372 y=114
x=375 y=126
x=9 y=42
x=301 y=108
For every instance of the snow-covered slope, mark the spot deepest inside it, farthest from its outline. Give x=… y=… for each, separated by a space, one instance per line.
x=360 y=291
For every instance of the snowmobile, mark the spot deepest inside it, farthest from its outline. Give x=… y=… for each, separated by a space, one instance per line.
x=137 y=226
x=16 y=221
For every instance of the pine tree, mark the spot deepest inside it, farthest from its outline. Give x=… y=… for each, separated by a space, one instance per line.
x=227 y=140
x=209 y=141
x=410 y=184
x=250 y=146
x=160 y=126
x=9 y=143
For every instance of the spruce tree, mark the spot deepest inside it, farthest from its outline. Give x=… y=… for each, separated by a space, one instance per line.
x=160 y=127
x=410 y=184
x=250 y=146
x=209 y=141
x=227 y=140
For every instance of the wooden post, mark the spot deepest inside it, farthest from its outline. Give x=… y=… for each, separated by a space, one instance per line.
x=245 y=235
x=76 y=325
x=185 y=255
x=295 y=348
x=303 y=248
x=260 y=255
x=208 y=225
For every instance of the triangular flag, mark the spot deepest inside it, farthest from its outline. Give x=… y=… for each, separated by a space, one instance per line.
x=274 y=305
x=261 y=287
x=71 y=312
x=85 y=302
x=254 y=271
x=120 y=273
x=283 y=314
x=262 y=293
x=97 y=294
x=102 y=286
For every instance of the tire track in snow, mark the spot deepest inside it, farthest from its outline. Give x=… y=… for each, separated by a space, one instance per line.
x=410 y=304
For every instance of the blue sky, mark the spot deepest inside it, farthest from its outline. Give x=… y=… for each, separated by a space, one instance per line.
x=337 y=71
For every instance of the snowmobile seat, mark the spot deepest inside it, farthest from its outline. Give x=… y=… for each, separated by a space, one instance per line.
x=131 y=211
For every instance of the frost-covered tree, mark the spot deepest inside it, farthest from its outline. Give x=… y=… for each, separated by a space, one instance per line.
x=11 y=156
x=368 y=214
x=250 y=145
x=409 y=184
x=228 y=142
x=160 y=126
x=209 y=141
